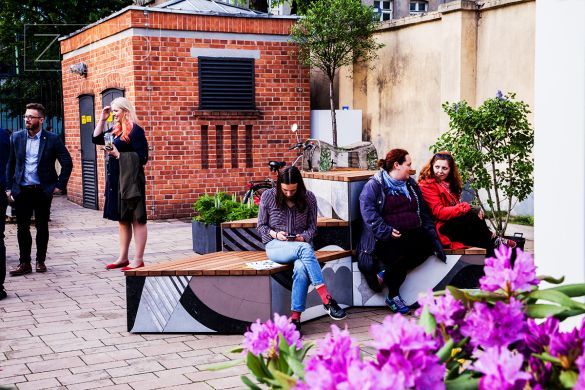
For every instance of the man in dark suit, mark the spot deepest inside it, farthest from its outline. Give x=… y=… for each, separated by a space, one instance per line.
x=4 y=151
x=32 y=181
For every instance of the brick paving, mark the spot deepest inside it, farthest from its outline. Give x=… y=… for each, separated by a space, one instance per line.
x=66 y=329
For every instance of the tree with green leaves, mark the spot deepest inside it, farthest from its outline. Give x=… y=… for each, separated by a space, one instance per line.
x=492 y=146
x=333 y=34
x=29 y=50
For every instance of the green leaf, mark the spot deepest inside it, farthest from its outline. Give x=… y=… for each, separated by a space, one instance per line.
x=257 y=366
x=463 y=382
x=551 y=279
x=571 y=290
x=568 y=378
x=427 y=321
x=543 y=310
x=225 y=365
x=445 y=352
x=547 y=358
x=249 y=383
x=237 y=350
x=285 y=381
x=556 y=297
x=457 y=294
x=296 y=366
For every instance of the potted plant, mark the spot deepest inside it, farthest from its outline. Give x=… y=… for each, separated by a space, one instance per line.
x=210 y=212
x=492 y=145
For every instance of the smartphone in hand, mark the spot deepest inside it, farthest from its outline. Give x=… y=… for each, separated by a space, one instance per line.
x=291 y=237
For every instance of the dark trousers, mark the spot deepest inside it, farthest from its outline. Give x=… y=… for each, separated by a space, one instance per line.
x=401 y=255
x=470 y=230
x=3 y=205
x=29 y=200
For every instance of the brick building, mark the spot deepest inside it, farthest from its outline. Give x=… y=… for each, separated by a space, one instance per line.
x=215 y=88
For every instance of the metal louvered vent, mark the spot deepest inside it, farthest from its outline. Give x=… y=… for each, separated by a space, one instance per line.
x=88 y=168
x=226 y=84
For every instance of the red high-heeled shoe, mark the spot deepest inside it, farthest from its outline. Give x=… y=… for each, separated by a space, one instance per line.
x=128 y=268
x=117 y=265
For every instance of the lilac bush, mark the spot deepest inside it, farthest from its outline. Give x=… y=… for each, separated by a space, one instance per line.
x=505 y=335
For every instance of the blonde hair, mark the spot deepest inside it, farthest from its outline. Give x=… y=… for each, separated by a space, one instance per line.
x=124 y=128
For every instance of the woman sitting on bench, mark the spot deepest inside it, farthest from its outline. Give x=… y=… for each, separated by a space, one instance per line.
x=458 y=224
x=398 y=230
x=287 y=223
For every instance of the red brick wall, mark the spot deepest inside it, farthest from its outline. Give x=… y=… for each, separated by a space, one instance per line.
x=160 y=77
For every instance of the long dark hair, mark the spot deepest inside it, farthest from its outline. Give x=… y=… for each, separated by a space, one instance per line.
x=454 y=178
x=291 y=175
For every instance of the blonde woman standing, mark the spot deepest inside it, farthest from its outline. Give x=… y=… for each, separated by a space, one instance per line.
x=126 y=156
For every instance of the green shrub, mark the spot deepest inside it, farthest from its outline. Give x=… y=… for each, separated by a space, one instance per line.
x=222 y=207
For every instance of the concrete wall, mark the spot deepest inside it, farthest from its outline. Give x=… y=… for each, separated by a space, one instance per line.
x=456 y=53
x=560 y=139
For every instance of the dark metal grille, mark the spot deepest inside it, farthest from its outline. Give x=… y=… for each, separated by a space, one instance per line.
x=226 y=84
x=88 y=175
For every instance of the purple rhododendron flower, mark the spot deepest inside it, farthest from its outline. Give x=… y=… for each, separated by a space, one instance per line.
x=446 y=309
x=538 y=336
x=397 y=330
x=581 y=366
x=567 y=346
x=502 y=370
x=495 y=326
x=264 y=338
x=540 y=373
x=499 y=274
x=499 y=95
x=335 y=354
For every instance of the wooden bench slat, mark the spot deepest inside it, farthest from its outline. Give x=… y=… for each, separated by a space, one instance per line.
x=223 y=263
x=252 y=223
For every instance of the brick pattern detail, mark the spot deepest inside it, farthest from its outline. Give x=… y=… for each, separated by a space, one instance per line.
x=189 y=156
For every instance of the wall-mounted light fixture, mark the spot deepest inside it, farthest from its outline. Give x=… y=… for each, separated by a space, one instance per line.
x=79 y=68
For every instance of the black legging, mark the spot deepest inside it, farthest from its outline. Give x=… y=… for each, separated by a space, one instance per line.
x=400 y=255
x=470 y=230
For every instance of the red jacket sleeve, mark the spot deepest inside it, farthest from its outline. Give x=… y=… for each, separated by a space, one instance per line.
x=440 y=211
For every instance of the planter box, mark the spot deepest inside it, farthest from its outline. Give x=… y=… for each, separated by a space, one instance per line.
x=206 y=238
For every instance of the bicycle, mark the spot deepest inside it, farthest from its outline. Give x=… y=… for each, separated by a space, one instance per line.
x=255 y=188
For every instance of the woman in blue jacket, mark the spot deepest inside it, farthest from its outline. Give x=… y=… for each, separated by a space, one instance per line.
x=398 y=233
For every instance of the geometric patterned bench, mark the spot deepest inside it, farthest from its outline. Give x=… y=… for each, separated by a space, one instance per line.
x=243 y=236
x=219 y=292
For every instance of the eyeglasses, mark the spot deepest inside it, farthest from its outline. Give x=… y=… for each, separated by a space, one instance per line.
x=32 y=117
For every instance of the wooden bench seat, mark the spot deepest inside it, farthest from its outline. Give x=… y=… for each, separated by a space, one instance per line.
x=223 y=263
x=253 y=222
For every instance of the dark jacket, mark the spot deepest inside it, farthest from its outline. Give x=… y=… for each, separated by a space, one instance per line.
x=51 y=149
x=132 y=185
x=372 y=199
x=4 y=152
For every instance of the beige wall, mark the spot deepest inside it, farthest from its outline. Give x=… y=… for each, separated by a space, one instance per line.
x=456 y=53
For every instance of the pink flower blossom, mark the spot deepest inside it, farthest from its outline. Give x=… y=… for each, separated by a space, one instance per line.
x=398 y=330
x=264 y=338
x=495 y=326
x=580 y=362
x=499 y=274
x=446 y=309
x=502 y=369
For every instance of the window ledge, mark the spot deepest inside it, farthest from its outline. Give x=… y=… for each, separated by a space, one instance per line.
x=236 y=114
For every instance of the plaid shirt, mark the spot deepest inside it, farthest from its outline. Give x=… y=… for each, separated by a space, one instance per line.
x=288 y=219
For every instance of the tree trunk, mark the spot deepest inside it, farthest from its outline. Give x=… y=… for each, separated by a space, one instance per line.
x=333 y=117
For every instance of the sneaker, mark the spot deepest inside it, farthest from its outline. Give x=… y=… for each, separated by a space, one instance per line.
x=297 y=324
x=333 y=309
x=397 y=305
x=504 y=241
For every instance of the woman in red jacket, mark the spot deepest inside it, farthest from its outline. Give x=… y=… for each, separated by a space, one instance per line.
x=458 y=224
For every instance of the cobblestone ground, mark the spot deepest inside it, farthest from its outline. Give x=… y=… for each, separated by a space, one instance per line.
x=66 y=329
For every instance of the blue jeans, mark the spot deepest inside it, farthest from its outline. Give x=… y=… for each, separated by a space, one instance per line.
x=306 y=267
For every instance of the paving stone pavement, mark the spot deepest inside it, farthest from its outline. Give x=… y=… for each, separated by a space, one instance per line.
x=66 y=329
